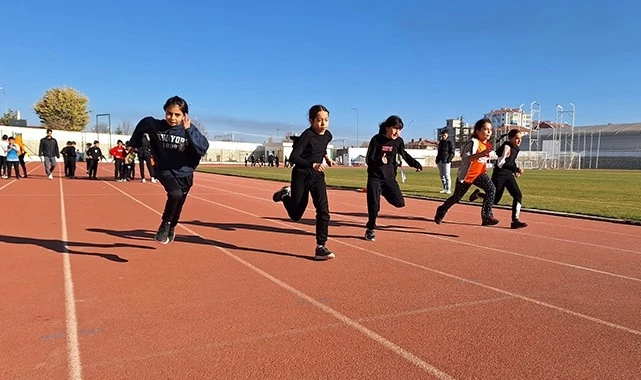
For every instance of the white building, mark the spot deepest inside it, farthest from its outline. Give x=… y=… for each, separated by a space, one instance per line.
x=509 y=118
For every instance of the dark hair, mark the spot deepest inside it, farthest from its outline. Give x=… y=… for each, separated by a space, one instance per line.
x=512 y=133
x=119 y=142
x=4 y=137
x=315 y=109
x=177 y=101
x=49 y=130
x=96 y=142
x=392 y=121
x=479 y=125
x=444 y=131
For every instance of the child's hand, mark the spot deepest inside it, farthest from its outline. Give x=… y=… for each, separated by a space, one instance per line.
x=187 y=122
x=329 y=161
x=319 y=167
x=384 y=159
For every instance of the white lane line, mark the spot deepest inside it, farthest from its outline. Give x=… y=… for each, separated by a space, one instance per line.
x=455 y=241
x=405 y=354
x=73 y=347
x=459 y=278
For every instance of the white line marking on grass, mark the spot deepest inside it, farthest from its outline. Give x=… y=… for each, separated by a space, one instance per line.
x=73 y=347
x=463 y=279
x=405 y=354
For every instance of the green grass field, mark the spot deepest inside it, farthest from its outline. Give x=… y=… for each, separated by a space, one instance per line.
x=605 y=193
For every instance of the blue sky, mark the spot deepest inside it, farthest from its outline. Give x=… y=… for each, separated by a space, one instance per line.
x=257 y=66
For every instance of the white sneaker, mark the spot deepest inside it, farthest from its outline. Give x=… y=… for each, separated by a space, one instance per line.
x=153 y=180
x=50 y=176
x=143 y=180
x=448 y=192
x=442 y=191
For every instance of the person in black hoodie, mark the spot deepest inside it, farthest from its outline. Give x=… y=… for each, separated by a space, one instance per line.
x=444 y=157
x=381 y=160
x=50 y=152
x=504 y=176
x=177 y=147
x=144 y=157
x=69 y=155
x=308 y=177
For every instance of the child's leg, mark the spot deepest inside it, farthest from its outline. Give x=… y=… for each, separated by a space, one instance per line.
x=296 y=203
x=185 y=184
x=373 y=201
x=9 y=165
x=460 y=188
x=22 y=163
x=499 y=183
x=175 y=195
x=318 y=191
x=392 y=193
x=483 y=181
x=513 y=188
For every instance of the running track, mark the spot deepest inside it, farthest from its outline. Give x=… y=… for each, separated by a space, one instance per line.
x=87 y=294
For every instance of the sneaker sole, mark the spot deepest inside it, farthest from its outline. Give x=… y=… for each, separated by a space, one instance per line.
x=326 y=257
x=162 y=242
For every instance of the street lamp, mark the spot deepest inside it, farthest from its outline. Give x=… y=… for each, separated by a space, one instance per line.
x=572 y=138
x=356 y=110
x=4 y=97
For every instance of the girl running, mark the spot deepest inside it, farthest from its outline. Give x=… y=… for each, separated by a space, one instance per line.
x=504 y=176
x=381 y=162
x=473 y=171
x=177 y=147
x=308 y=177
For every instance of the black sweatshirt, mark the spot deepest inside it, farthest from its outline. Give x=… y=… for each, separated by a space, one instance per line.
x=174 y=148
x=310 y=148
x=506 y=165
x=445 y=152
x=69 y=152
x=380 y=145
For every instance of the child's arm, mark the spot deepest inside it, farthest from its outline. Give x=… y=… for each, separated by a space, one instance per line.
x=409 y=159
x=197 y=140
x=372 y=151
x=329 y=161
x=299 y=146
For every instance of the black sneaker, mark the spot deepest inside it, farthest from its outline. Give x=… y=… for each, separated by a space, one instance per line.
x=171 y=235
x=475 y=195
x=517 y=224
x=278 y=196
x=491 y=221
x=440 y=214
x=162 y=236
x=370 y=235
x=322 y=253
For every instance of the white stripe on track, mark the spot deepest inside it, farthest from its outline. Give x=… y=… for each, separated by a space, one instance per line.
x=405 y=354
x=73 y=347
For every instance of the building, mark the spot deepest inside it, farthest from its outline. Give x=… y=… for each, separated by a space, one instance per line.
x=458 y=131
x=508 y=118
x=421 y=144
